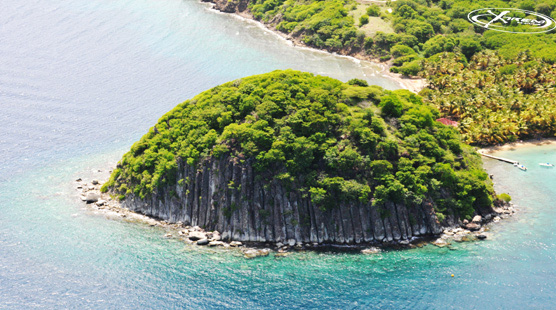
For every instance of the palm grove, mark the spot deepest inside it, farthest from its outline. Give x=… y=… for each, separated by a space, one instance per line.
x=498 y=86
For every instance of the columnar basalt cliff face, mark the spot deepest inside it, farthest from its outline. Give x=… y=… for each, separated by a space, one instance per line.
x=292 y=157
x=267 y=211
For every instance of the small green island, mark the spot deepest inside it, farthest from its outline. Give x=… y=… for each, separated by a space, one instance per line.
x=288 y=156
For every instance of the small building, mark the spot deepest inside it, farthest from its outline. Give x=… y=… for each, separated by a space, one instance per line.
x=447 y=122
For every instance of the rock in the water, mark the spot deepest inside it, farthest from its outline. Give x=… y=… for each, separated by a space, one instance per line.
x=197 y=235
x=473 y=226
x=477 y=219
x=371 y=250
x=235 y=243
x=440 y=242
x=168 y=235
x=481 y=237
x=216 y=243
x=94 y=182
x=78 y=180
x=216 y=236
x=92 y=197
x=202 y=242
x=252 y=253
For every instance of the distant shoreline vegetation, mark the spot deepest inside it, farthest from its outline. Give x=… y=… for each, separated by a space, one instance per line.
x=335 y=141
x=434 y=40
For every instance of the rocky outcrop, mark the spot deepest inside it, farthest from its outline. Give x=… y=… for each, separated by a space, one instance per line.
x=230 y=197
x=232 y=6
x=91 y=197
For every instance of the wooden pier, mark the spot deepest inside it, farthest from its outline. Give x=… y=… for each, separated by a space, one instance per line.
x=513 y=162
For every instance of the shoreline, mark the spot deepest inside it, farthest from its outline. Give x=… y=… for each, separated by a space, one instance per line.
x=468 y=230
x=104 y=204
x=517 y=145
x=414 y=85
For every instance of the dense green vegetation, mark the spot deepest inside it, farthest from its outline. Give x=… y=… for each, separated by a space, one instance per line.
x=505 y=197
x=495 y=99
x=322 y=24
x=426 y=27
x=442 y=26
x=335 y=141
x=498 y=86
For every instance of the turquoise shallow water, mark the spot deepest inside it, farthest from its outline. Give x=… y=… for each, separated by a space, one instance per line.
x=81 y=80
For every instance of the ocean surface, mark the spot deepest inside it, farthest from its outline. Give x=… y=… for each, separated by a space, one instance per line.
x=81 y=80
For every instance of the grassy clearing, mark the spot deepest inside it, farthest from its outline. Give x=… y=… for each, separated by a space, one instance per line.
x=375 y=23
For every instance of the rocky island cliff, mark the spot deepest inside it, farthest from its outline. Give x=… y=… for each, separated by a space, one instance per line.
x=261 y=211
x=291 y=157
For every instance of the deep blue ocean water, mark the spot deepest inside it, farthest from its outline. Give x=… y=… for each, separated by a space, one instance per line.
x=80 y=81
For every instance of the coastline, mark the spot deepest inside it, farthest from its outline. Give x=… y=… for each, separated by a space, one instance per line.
x=412 y=84
x=112 y=207
x=517 y=145
x=108 y=206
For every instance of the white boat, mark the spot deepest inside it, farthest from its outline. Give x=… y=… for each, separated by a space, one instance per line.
x=546 y=164
x=522 y=167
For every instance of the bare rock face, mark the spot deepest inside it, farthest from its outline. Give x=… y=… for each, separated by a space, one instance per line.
x=259 y=210
x=232 y=6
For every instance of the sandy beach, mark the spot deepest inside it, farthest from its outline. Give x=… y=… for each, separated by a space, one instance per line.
x=517 y=145
x=412 y=84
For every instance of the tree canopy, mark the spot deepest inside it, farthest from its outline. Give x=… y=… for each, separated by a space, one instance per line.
x=336 y=141
x=495 y=99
